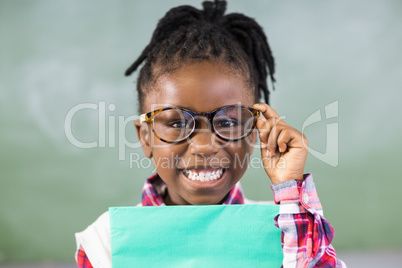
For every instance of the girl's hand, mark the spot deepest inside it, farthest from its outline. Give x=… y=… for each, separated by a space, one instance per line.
x=283 y=148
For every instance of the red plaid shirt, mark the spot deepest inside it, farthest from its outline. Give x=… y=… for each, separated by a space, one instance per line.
x=306 y=235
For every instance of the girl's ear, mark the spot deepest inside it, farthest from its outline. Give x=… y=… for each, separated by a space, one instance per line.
x=144 y=136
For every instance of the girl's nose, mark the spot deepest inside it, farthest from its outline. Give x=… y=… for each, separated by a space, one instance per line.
x=203 y=141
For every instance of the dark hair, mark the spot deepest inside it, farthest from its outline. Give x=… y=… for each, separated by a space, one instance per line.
x=188 y=34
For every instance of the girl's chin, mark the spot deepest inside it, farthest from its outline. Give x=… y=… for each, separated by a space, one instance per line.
x=197 y=199
x=205 y=200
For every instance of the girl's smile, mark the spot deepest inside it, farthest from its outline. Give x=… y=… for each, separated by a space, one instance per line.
x=207 y=170
x=203 y=174
x=205 y=178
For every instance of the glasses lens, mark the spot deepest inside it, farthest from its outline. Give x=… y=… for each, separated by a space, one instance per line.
x=173 y=124
x=233 y=122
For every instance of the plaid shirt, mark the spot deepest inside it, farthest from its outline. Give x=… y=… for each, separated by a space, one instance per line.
x=306 y=234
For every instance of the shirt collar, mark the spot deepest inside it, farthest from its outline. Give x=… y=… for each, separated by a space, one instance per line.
x=154 y=191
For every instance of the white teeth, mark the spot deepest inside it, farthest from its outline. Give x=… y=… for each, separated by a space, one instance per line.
x=203 y=175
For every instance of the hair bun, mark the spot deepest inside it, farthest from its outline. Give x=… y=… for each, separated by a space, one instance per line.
x=213 y=11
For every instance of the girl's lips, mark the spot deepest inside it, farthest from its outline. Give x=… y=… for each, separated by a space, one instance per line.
x=204 y=178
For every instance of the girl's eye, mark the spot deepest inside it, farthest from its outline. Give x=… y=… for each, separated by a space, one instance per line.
x=226 y=123
x=178 y=124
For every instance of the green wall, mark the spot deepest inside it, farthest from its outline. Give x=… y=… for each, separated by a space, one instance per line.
x=55 y=55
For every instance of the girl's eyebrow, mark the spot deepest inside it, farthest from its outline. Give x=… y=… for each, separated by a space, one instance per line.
x=160 y=106
x=173 y=106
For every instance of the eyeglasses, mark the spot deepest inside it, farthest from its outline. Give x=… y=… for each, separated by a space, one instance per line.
x=176 y=124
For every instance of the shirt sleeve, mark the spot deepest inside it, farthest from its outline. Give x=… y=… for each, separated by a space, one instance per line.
x=82 y=259
x=306 y=234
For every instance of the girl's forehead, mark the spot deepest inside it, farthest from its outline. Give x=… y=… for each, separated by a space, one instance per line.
x=201 y=87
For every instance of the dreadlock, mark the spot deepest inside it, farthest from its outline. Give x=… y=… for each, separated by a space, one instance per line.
x=186 y=34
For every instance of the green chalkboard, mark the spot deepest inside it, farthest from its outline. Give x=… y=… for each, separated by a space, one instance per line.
x=338 y=78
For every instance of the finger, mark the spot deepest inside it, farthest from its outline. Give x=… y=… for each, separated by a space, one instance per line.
x=265 y=124
x=266 y=110
x=264 y=128
x=269 y=113
x=283 y=140
x=272 y=141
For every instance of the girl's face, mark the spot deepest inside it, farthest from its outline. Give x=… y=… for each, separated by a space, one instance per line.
x=200 y=87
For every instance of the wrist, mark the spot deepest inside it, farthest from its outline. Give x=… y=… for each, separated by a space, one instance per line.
x=276 y=180
x=286 y=191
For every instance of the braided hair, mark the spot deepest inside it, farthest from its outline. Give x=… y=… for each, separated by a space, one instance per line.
x=186 y=34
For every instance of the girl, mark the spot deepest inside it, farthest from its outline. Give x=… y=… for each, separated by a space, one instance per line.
x=203 y=74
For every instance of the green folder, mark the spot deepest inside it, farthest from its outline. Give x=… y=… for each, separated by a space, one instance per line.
x=195 y=236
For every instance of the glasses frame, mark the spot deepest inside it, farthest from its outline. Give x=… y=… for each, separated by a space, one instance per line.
x=149 y=118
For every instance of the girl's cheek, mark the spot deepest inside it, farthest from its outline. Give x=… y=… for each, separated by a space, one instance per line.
x=173 y=154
